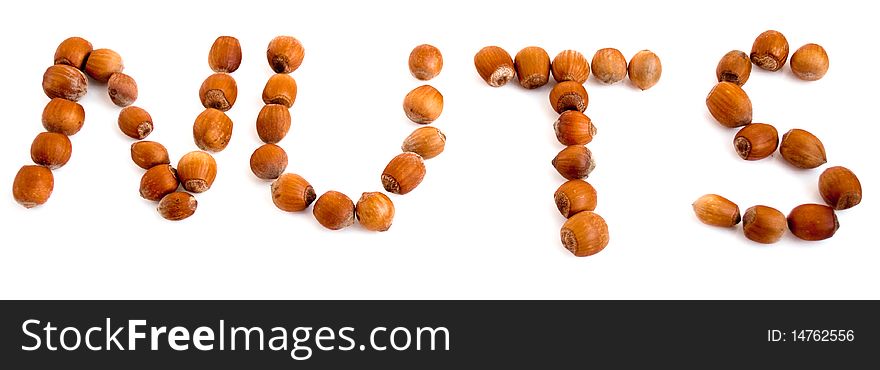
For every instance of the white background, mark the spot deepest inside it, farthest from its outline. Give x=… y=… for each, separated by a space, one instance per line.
x=483 y=223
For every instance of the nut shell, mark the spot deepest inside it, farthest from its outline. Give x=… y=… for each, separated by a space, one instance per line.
x=427 y=142
x=425 y=62
x=51 y=149
x=570 y=65
x=375 y=211
x=268 y=162
x=809 y=62
x=74 y=52
x=212 y=130
x=33 y=186
x=764 y=224
x=158 y=182
x=802 y=149
x=135 y=122
x=729 y=105
x=273 y=123
x=532 y=66
x=423 y=104
x=770 y=50
x=609 y=66
x=840 y=188
x=177 y=206
x=569 y=95
x=715 y=210
x=574 y=162
x=756 y=141
x=403 y=173
x=813 y=222
x=103 y=63
x=148 y=154
x=285 y=54
x=219 y=91
x=122 y=89
x=225 y=54
x=575 y=196
x=574 y=128
x=65 y=82
x=292 y=193
x=584 y=234
x=280 y=89
x=63 y=116
x=645 y=69
x=734 y=67
x=494 y=65
x=334 y=210
x=197 y=171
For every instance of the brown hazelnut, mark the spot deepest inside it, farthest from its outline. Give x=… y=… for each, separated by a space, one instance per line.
x=285 y=54
x=149 y=154
x=609 y=65
x=427 y=142
x=425 y=62
x=63 y=116
x=730 y=105
x=813 y=222
x=65 y=82
x=334 y=210
x=375 y=211
x=219 y=91
x=268 y=162
x=574 y=128
x=273 y=123
x=802 y=149
x=574 y=162
x=197 y=171
x=769 y=51
x=74 y=52
x=734 y=67
x=532 y=66
x=569 y=95
x=212 y=130
x=494 y=65
x=135 y=122
x=122 y=89
x=584 y=234
x=177 y=206
x=645 y=69
x=403 y=173
x=225 y=54
x=102 y=64
x=32 y=186
x=280 y=89
x=715 y=210
x=570 y=65
x=840 y=188
x=756 y=141
x=158 y=182
x=423 y=104
x=763 y=224
x=809 y=62
x=292 y=193
x=575 y=196
x=51 y=149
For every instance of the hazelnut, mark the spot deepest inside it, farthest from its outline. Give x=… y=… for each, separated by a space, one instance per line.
x=569 y=95
x=102 y=64
x=494 y=65
x=575 y=196
x=375 y=211
x=734 y=67
x=280 y=89
x=334 y=210
x=51 y=149
x=197 y=171
x=273 y=122
x=584 y=234
x=292 y=193
x=427 y=142
x=813 y=222
x=809 y=62
x=212 y=130
x=609 y=65
x=423 y=104
x=574 y=162
x=730 y=105
x=177 y=206
x=645 y=69
x=840 y=188
x=149 y=154
x=763 y=224
x=769 y=51
x=218 y=91
x=158 y=182
x=756 y=141
x=63 y=116
x=802 y=149
x=570 y=65
x=285 y=54
x=135 y=122
x=574 y=128
x=225 y=54
x=403 y=173
x=715 y=210
x=532 y=66
x=268 y=161
x=32 y=186
x=122 y=89
x=65 y=82
x=74 y=52
x=425 y=62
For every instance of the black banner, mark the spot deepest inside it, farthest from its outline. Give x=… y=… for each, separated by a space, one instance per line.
x=432 y=334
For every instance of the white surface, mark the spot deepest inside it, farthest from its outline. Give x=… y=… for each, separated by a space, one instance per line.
x=483 y=223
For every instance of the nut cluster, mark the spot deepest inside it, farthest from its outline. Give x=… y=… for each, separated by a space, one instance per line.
x=729 y=104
